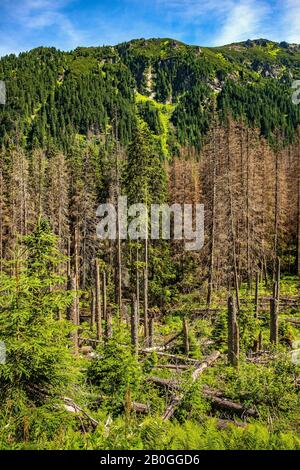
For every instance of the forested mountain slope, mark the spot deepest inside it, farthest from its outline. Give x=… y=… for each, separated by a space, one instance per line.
x=53 y=94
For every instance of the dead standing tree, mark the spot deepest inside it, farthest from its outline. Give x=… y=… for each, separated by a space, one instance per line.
x=151 y=328
x=107 y=314
x=233 y=334
x=72 y=310
x=213 y=217
x=104 y=296
x=232 y=230
x=134 y=326
x=256 y=295
x=274 y=307
x=93 y=307
x=98 y=313
x=186 y=343
x=298 y=209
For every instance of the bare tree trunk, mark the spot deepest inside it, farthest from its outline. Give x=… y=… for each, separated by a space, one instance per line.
x=107 y=313
x=278 y=279
x=232 y=228
x=69 y=258
x=235 y=270
x=93 y=307
x=260 y=341
x=256 y=294
x=119 y=246
x=276 y=214
x=98 y=302
x=274 y=316
x=186 y=343
x=1 y=218
x=76 y=264
x=104 y=296
x=72 y=311
x=248 y=213
x=146 y=326
x=233 y=334
x=137 y=284
x=263 y=224
x=151 y=330
x=134 y=326
x=108 y=324
x=298 y=213
x=212 y=235
x=119 y=270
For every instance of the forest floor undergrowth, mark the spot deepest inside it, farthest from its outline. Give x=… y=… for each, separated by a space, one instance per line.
x=179 y=392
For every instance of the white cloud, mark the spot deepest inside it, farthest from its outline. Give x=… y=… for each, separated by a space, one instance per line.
x=245 y=20
x=57 y=20
x=33 y=16
x=194 y=11
x=229 y=20
x=291 y=21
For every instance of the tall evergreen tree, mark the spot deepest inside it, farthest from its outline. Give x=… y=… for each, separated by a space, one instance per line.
x=37 y=359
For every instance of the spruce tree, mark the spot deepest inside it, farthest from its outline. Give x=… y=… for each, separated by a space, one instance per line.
x=37 y=355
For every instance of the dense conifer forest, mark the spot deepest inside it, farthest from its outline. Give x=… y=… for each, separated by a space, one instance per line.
x=141 y=344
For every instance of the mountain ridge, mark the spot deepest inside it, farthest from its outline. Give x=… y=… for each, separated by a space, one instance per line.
x=249 y=43
x=54 y=95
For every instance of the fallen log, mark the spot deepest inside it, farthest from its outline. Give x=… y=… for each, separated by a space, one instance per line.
x=232 y=407
x=197 y=311
x=178 y=358
x=140 y=408
x=206 y=363
x=219 y=401
x=203 y=314
x=283 y=300
x=72 y=407
x=206 y=342
x=212 y=392
x=197 y=372
x=166 y=383
x=152 y=349
x=161 y=348
x=172 y=366
x=262 y=357
x=174 y=357
x=90 y=340
x=170 y=340
x=294 y=321
x=215 y=396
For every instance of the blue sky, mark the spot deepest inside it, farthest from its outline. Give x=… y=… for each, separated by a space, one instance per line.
x=67 y=24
